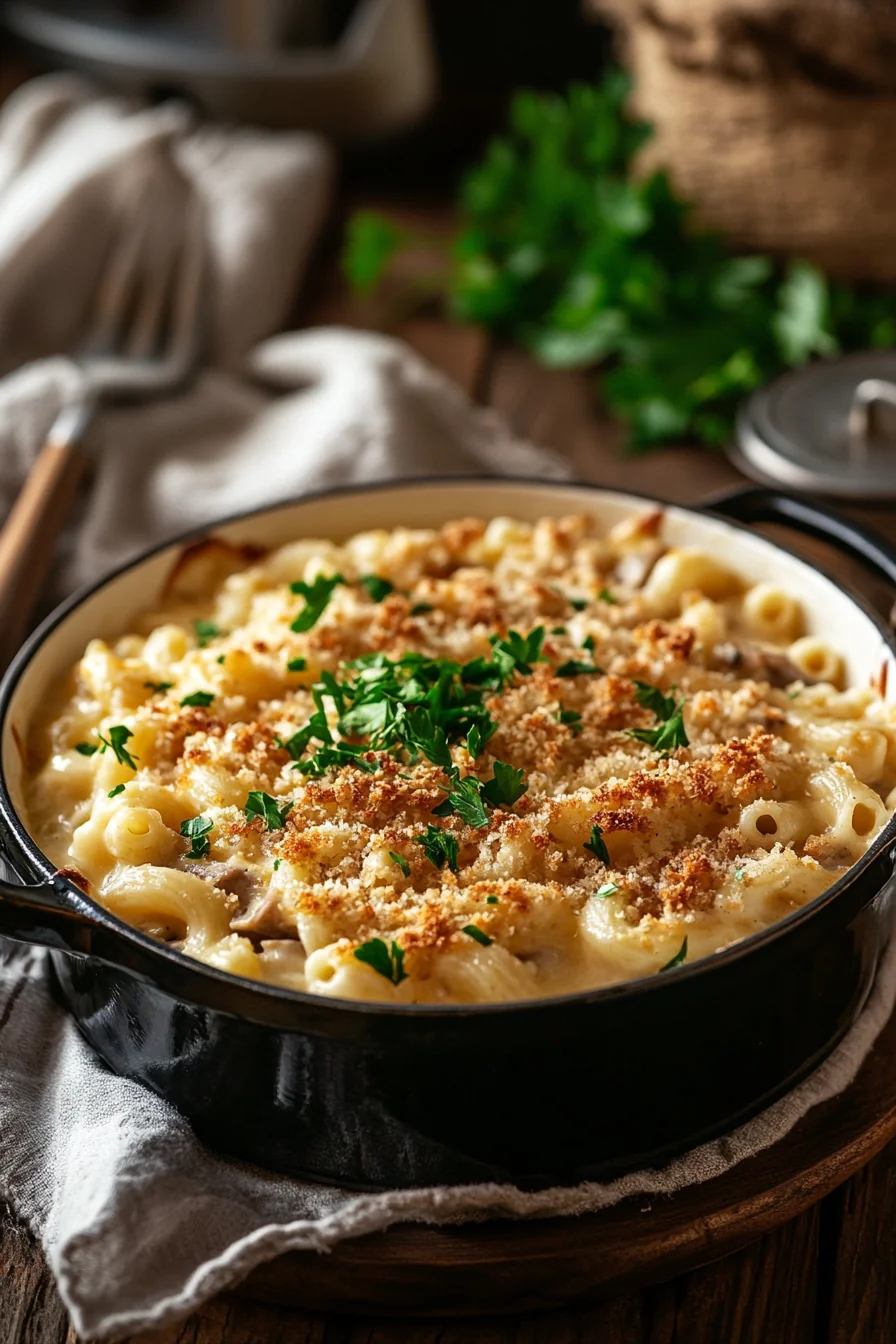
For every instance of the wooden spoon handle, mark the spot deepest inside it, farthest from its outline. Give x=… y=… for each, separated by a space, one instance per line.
x=28 y=539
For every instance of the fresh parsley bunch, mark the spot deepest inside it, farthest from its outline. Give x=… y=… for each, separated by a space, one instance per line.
x=564 y=250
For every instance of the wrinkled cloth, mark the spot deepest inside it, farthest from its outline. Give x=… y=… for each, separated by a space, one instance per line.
x=314 y=408
x=84 y=177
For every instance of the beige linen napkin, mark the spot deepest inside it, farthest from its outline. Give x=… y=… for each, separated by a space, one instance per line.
x=79 y=173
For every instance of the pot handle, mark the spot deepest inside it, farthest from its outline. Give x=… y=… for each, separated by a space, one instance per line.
x=43 y=916
x=757 y=505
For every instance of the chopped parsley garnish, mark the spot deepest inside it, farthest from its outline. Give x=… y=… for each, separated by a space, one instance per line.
x=401 y=861
x=220 y=658
x=608 y=889
x=272 y=813
x=468 y=797
x=558 y=629
x=328 y=758
x=670 y=732
x=575 y=668
x=388 y=963
x=572 y=718
x=199 y=699
x=158 y=687
x=118 y=735
x=439 y=847
x=667 y=736
x=316 y=595
x=205 y=632
x=491 y=900
x=297 y=664
x=473 y=931
x=679 y=957
x=650 y=697
x=196 y=830
x=597 y=846
x=465 y=798
x=421 y=608
x=588 y=643
x=513 y=653
x=505 y=787
x=276 y=864
x=377 y=588
x=113 y=793
x=316 y=727
x=606 y=596
x=478 y=735
x=86 y=748
x=792 y=695
x=577 y=603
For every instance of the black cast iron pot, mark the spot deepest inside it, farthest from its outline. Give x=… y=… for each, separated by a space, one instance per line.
x=370 y=1095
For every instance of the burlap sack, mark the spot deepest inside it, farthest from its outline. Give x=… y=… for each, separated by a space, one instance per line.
x=776 y=117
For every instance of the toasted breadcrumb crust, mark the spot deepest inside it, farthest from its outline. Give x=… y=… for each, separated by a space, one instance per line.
x=326 y=881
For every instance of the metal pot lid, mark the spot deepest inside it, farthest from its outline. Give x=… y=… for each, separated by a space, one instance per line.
x=828 y=428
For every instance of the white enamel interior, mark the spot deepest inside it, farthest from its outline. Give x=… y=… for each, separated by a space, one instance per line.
x=107 y=613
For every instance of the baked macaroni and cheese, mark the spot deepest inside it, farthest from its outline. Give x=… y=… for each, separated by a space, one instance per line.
x=496 y=761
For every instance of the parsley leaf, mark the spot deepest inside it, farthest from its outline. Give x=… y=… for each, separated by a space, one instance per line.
x=465 y=798
x=439 y=847
x=597 y=846
x=389 y=963
x=316 y=727
x=608 y=889
x=679 y=957
x=606 y=596
x=205 y=632
x=578 y=603
x=575 y=668
x=572 y=718
x=158 y=687
x=473 y=931
x=118 y=735
x=113 y=793
x=377 y=588
x=421 y=608
x=272 y=813
x=558 y=629
x=317 y=595
x=196 y=830
x=86 y=748
x=667 y=736
x=200 y=699
x=401 y=861
x=506 y=787
x=566 y=249
x=297 y=664
x=650 y=697
x=330 y=758
x=370 y=242
x=491 y=900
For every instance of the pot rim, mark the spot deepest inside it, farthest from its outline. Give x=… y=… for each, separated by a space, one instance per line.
x=322 y=1004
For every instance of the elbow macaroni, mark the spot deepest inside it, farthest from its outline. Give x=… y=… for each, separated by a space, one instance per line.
x=615 y=853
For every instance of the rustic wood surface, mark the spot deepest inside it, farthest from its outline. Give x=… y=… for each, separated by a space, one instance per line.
x=826 y=1276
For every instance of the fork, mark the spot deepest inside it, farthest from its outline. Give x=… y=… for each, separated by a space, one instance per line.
x=143 y=340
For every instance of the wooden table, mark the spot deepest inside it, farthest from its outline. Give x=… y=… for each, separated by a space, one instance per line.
x=827 y=1277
